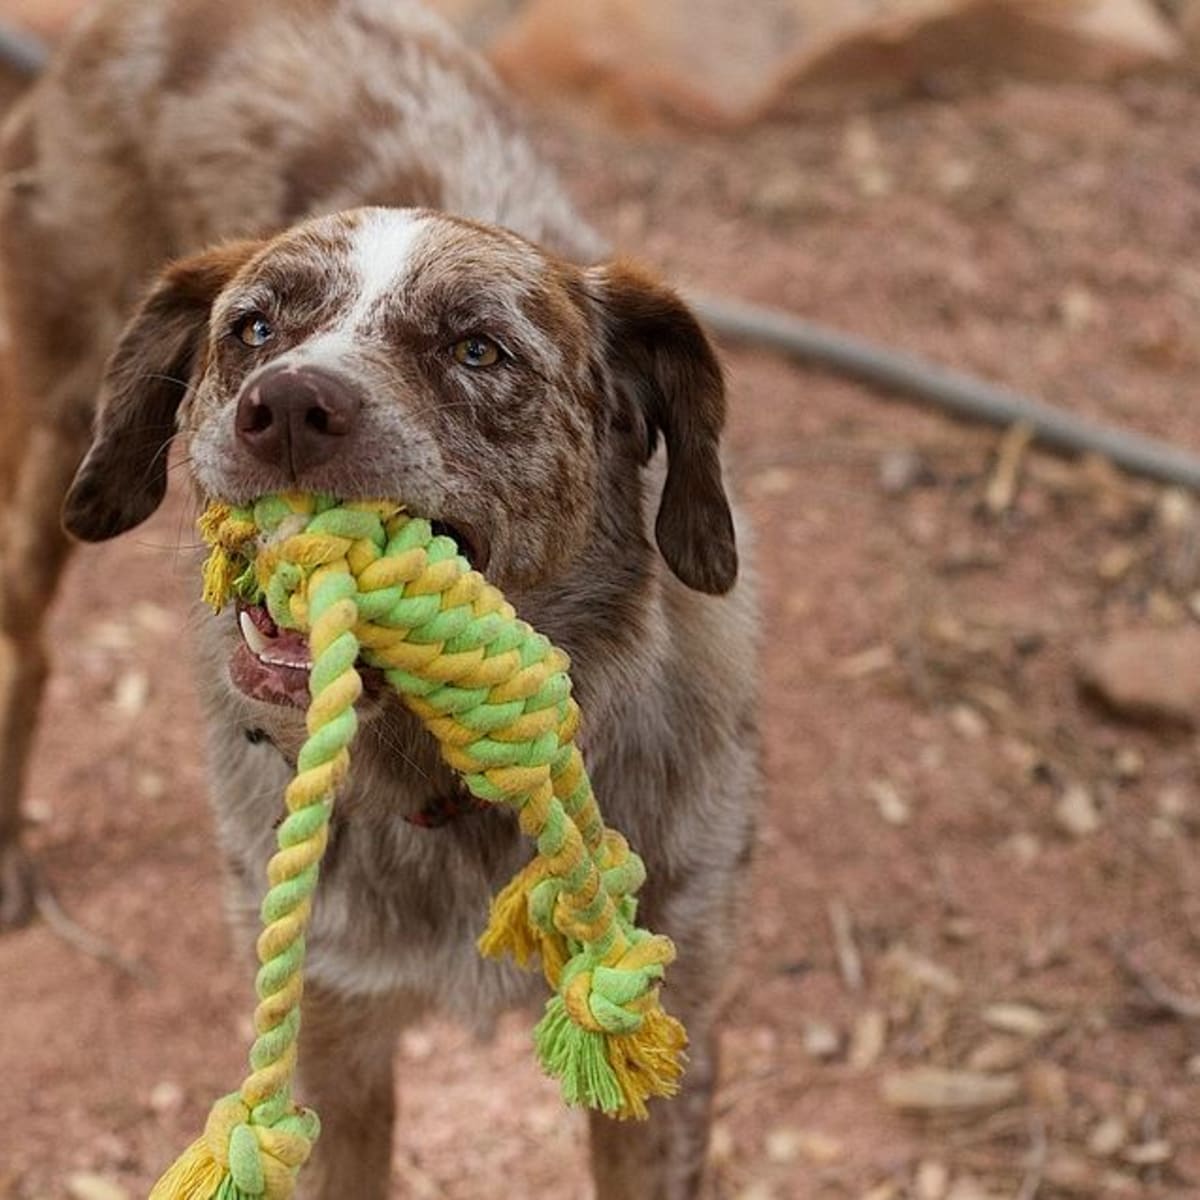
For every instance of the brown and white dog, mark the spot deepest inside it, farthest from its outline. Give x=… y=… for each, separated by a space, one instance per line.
x=399 y=303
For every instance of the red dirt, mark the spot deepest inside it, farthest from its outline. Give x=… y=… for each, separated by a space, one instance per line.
x=1041 y=236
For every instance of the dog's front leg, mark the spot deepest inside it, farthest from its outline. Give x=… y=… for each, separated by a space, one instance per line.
x=663 y=1158
x=346 y=1074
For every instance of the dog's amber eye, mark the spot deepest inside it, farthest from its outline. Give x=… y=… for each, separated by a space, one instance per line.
x=477 y=351
x=254 y=329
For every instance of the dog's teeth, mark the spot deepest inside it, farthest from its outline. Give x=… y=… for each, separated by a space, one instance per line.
x=255 y=638
x=280 y=660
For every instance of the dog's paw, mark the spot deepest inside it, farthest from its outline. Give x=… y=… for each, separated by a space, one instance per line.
x=18 y=887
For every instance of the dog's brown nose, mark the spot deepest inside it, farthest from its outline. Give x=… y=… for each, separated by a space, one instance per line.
x=297 y=418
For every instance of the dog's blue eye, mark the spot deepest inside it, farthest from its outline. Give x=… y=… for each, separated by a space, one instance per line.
x=477 y=351
x=254 y=330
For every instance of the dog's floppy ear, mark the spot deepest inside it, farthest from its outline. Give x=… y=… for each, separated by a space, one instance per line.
x=664 y=361
x=123 y=477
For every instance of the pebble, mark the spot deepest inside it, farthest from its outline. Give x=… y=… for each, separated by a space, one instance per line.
x=821 y=1041
x=84 y=1185
x=1151 y=676
x=1076 y=813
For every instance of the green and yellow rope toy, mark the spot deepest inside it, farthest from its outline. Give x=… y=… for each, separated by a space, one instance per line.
x=365 y=580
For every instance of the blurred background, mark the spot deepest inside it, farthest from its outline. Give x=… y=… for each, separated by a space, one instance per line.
x=971 y=952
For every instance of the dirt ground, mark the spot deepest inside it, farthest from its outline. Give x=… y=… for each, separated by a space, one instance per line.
x=963 y=863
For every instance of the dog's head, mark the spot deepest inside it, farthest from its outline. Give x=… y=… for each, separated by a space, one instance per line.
x=489 y=386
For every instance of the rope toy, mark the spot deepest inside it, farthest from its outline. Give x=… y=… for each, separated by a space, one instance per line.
x=366 y=581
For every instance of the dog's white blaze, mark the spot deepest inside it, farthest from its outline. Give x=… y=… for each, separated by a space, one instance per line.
x=382 y=248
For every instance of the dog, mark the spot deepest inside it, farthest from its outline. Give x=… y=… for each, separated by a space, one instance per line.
x=310 y=240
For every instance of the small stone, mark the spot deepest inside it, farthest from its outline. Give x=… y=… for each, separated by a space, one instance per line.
x=1172 y=804
x=1176 y=509
x=821 y=1041
x=893 y=808
x=154 y=618
x=1076 y=813
x=84 y=1185
x=967 y=723
x=932 y=1180
x=1077 y=308
x=1164 y=610
x=166 y=1097
x=1149 y=1154
x=1025 y=848
x=901 y=470
x=720 y=1144
x=1146 y=675
x=38 y=812
x=782 y=1145
x=1108 y=1137
x=1116 y=563
x=131 y=693
x=1129 y=764
x=817 y=1148
x=150 y=785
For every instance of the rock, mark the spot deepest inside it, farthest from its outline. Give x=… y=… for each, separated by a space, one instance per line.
x=1149 y=1154
x=893 y=807
x=1150 y=676
x=821 y=1041
x=967 y=723
x=84 y=1185
x=1076 y=813
x=166 y=1097
x=932 y=1180
x=900 y=470
x=1108 y=1137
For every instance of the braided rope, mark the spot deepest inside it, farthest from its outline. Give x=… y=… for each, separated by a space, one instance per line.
x=364 y=580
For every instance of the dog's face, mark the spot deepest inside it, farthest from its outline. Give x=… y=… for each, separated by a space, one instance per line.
x=457 y=368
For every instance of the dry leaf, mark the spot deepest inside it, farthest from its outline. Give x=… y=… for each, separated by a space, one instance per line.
x=933 y=1089
x=868 y=1040
x=1023 y=1020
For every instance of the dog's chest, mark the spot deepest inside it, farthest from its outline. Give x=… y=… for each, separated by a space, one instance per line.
x=408 y=876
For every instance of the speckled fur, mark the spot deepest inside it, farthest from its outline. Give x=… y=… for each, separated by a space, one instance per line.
x=160 y=130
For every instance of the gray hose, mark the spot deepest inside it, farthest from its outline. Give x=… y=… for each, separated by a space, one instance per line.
x=22 y=53
x=958 y=393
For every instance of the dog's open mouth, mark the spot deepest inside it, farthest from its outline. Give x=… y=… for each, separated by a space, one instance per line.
x=273 y=664
x=270 y=664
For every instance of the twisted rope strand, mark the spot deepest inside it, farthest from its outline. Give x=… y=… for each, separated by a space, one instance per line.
x=363 y=580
